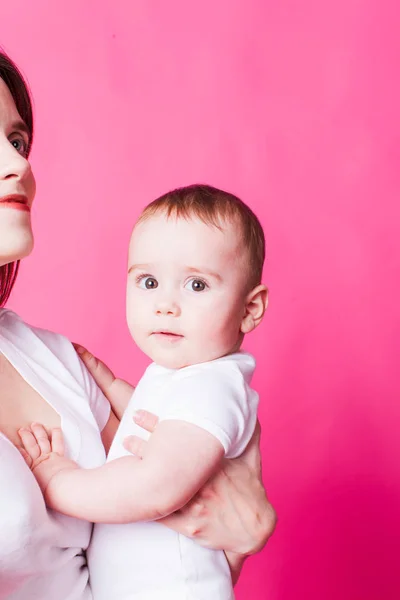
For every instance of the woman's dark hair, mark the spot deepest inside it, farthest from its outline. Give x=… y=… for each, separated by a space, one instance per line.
x=15 y=82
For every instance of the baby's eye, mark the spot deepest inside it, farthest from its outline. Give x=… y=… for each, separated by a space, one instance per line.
x=20 y=145
x=196 y=285
x=148 y=283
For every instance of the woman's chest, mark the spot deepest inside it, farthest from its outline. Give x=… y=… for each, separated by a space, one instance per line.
x=35 y=542
x=20 y=404
x=36 y=545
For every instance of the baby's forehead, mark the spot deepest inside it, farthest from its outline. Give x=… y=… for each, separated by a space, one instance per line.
x=164 y=237
x=172 y=245
x=169 y=224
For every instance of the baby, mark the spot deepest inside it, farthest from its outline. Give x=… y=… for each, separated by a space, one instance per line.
x=194 y=290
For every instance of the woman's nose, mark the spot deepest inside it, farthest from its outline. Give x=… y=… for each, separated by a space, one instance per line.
x=13 y=166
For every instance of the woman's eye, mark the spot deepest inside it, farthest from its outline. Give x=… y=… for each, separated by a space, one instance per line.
x=196 y=285
x=148 y=283
x=20 y=145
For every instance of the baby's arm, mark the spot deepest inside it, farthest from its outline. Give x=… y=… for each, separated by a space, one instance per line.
x=180 y=458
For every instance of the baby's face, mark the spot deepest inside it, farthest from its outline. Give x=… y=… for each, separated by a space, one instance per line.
x=186 y=290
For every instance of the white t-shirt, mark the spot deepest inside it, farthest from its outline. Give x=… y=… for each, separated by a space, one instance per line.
x=41 y=551
x=147 y=561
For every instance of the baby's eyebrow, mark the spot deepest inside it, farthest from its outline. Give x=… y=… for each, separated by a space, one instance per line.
x=191 y=270
x=138 y=267
x=201 y=271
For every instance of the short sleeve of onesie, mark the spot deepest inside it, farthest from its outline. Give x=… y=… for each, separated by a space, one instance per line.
x=217 y=397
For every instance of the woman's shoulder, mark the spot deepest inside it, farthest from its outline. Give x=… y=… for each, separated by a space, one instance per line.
x=52 y=355
x=40 y=345
x=12 y=323
x=8 y=317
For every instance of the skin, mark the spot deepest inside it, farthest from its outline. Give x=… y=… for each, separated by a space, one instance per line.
x=185 y=308
x=231 y=512
x=16 y=178
x=21 y=405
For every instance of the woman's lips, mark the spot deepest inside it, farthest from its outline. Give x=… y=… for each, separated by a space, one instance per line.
x=16 y=201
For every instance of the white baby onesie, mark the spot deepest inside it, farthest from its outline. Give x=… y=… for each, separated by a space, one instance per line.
x=147 y=561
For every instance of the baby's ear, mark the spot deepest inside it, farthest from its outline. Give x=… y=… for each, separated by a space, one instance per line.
x=255 y=306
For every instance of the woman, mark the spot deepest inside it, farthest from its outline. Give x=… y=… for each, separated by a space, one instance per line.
x=42 y=554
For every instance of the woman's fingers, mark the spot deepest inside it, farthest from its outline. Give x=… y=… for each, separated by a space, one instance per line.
x=146 y=420
x=57 y=441
x=83 y=353
x=90 y=361
x=135 y=445
x=42 y=437
x=102 y=375
x=191 y=524
x=29 y=443
x=79 y=348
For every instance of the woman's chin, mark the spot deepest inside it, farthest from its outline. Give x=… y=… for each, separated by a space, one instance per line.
x=15 y=247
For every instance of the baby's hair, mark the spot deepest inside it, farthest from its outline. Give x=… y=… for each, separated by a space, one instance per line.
x=214 y=207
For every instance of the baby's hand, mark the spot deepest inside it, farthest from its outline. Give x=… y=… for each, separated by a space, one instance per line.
x=44 y=455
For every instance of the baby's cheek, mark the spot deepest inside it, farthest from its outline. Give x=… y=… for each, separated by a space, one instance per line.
x=219 y=330
x=228 y=326
x=136 y=322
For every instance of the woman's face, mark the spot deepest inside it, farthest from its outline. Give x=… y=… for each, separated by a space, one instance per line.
x=17 y=184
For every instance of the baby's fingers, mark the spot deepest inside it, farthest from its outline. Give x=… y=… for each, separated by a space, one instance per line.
x=42 y=438
x=57 y=441
x=25 y=456
x=145 y=419
x=135 y=445
x=29 y=444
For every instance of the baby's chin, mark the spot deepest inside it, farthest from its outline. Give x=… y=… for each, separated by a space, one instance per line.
x=170 y=361
x=180 y=353
x=170 y=364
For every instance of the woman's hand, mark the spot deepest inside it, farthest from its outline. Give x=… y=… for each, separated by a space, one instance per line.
x=231 y=512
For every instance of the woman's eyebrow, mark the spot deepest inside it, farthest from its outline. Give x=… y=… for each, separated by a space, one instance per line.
x=20 y=126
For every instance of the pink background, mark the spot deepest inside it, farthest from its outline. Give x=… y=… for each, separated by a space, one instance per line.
x=295 y=107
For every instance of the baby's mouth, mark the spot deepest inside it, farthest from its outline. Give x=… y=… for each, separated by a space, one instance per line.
x=167 y=334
